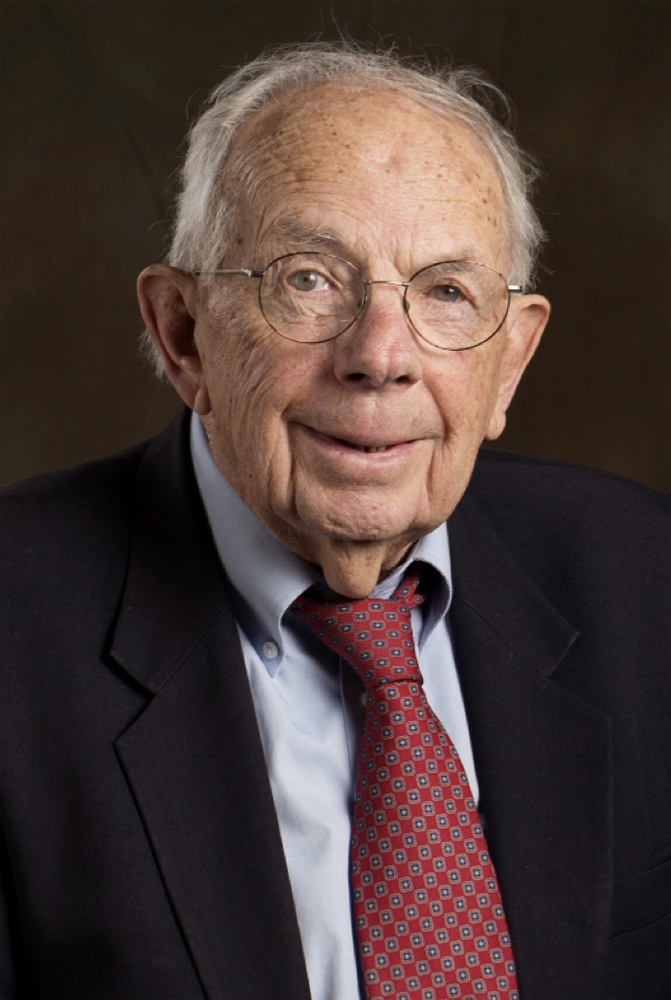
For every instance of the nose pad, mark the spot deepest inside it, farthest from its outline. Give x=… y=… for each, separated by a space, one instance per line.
x=365 y=299
x=402 y=287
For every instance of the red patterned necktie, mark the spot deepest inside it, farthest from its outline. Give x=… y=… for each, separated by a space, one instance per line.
x=427 y=907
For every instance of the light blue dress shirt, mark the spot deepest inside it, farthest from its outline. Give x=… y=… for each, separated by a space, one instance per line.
x=309 y=710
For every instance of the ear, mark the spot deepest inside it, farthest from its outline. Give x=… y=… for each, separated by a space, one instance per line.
x=527 y=320
x=168 y=301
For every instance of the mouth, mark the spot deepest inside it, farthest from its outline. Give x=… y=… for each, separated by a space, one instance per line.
x=364 y=458
x=367 y=449
x=368 y=445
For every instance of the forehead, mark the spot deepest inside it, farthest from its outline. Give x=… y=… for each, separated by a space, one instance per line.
x=368 y=159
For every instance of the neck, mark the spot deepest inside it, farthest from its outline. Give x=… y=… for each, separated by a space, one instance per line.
x=354 y=569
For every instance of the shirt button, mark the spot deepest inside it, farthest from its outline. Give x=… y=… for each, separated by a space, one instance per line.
x=270 y=650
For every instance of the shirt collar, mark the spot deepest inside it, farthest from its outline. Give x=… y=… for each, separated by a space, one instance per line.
x=266 y=577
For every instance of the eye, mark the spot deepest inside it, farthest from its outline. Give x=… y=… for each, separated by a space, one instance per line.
x=307 y=281
x=447 y=293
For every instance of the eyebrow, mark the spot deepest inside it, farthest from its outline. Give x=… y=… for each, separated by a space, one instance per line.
x=459 y=263
x=297 y=232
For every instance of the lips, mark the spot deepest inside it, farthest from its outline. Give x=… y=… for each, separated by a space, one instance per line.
x=368 y=449
x=369 y=445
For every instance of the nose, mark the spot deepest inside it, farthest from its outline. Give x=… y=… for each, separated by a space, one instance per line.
x=380 y=348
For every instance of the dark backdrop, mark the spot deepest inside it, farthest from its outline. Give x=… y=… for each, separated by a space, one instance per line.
x=96 y=96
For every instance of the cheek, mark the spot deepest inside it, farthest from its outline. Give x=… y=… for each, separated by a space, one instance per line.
x=465 y=392
x=244 y=388
x=253 y=379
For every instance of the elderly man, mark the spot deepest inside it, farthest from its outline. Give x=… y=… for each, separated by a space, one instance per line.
x=272 y=731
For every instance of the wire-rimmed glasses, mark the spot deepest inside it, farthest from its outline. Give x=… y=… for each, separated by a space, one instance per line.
x=314 y=297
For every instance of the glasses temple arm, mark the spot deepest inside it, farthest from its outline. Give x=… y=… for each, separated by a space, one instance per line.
x=245 y=271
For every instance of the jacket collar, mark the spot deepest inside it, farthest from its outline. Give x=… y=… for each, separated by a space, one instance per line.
x=174 y=585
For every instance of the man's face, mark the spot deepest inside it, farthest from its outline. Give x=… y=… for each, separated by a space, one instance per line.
x=352 y=449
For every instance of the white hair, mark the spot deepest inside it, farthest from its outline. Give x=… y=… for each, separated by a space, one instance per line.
x=205 y=211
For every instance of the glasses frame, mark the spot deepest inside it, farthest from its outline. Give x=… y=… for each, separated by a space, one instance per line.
x=248 y=272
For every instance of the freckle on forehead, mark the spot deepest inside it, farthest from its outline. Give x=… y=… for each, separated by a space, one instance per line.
x=332 y=142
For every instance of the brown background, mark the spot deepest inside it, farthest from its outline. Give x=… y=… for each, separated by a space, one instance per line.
x=96 y=96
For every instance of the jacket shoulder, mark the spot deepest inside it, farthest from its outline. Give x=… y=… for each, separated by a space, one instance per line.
x=57 y=527
x=64 y=484
x=544 y=490
x=580 y=533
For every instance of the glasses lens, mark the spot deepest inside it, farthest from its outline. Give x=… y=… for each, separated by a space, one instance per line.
x=310 y=297
x=457 y=304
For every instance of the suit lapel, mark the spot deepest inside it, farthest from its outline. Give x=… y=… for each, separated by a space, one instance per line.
x=543 y=760
x=193 y=759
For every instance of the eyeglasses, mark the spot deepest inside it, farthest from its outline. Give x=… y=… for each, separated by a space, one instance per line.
x=314 y=297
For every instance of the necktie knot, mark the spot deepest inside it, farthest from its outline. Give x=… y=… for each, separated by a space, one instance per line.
x=372 y=634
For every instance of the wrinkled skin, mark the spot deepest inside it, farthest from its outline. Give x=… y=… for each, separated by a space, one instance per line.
x=391 y=187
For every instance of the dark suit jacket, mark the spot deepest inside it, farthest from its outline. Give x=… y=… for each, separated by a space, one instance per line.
x=140 y=844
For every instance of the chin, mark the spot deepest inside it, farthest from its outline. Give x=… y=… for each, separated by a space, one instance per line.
x=360 y=522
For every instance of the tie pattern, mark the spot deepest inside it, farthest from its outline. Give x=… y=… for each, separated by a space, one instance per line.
x=427 y=907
